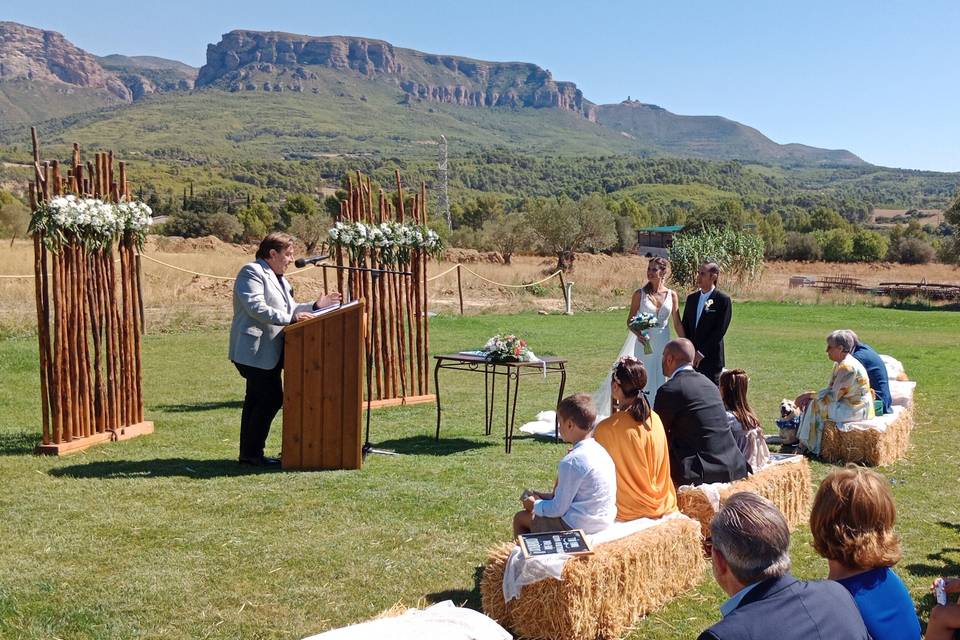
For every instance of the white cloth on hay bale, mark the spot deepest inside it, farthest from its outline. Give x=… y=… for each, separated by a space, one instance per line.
x=895 y=370
x=901 y=392
x=442 y=621
x=712 y=490
x=879 y=423
x=520 y=571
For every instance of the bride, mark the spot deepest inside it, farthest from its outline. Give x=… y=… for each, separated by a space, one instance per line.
x=656 y=299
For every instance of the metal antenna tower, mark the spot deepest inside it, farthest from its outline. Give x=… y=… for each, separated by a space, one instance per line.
x=444 y=197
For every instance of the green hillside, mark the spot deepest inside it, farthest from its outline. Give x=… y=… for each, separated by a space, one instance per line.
x=349 y=116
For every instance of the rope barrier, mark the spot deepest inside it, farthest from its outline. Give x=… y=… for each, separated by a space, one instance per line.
x=512 y=286
x=439 y=275
x=292 y=273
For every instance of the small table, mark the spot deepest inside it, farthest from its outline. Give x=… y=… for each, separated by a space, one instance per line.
x=512 y=371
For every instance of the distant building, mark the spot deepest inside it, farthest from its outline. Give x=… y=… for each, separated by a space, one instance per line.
x=656 y=241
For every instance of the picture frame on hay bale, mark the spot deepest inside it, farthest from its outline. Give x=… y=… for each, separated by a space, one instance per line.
x=87 y=234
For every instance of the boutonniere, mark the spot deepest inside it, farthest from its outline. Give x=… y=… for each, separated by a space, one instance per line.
x=708 y=304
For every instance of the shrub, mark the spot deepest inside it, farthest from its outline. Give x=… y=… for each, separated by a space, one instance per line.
x=14 y=216
x=225 y=226
x=869 y=246
x=801 y=246
x=836 y=244
x=256 y=220
x=913 y=251
x=739 y=254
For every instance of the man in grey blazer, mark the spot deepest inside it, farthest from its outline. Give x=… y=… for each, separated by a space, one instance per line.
x=263 y=304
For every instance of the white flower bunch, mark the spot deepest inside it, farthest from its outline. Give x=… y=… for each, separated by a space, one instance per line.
x=386 y=237
x=92 y=219
x=136 y=215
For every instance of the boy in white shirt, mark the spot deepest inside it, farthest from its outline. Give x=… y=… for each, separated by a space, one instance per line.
x=585 y=496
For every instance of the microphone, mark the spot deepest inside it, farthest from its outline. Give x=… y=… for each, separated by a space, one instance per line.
x=302 y=262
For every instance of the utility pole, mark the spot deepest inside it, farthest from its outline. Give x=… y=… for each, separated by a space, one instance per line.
x=444 y=197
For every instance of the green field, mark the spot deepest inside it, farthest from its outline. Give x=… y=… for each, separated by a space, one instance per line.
x=167 y=537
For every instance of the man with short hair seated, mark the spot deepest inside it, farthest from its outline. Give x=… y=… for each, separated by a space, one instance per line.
x=702 y=446
x=750 y=544
x=876 y=370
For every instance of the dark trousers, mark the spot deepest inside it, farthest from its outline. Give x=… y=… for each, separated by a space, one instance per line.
x=263 y=399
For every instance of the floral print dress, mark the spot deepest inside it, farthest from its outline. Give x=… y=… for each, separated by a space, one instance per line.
x=847 y=399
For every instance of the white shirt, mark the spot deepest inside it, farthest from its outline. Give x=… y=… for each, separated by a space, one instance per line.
x=701 y=302
x=586 y=494
x=682 y=367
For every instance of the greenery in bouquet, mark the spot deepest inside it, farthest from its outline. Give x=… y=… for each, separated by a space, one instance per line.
x=390 y=242
x=90 y=220
x=642 y=322
x=508 y=348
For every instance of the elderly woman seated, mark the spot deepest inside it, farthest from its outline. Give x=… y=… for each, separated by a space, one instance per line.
x=847 y=398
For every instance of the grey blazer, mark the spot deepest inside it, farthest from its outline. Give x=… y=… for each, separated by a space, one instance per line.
x=261 y=308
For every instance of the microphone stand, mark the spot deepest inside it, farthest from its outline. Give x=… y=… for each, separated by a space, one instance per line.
x=368 y=448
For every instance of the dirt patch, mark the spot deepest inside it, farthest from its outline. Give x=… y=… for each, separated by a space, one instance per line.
x=207 y=244
x=472 y=256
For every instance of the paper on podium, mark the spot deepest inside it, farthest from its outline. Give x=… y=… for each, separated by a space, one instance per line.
x=333 y=307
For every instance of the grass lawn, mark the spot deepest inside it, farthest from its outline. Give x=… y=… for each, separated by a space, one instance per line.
x=167 y=537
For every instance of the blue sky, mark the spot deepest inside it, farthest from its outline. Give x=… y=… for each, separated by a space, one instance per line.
x=878 y=78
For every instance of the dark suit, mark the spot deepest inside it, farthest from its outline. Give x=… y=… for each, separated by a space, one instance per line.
x=786 y=609
x=702 y=446
x=707 y=334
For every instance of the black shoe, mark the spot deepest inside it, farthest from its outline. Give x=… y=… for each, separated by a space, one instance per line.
x=262 y=461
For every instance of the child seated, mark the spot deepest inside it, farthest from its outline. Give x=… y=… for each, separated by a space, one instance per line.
x=585 y=496
x=743 y=422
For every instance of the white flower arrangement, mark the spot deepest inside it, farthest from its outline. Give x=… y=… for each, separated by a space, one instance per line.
x=91 y=220
x=390 y=241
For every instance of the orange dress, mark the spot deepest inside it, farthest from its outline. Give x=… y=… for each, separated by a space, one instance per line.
x=639 y=451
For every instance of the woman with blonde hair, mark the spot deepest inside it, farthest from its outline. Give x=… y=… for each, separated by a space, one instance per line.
x=742 y=420
x=635 y=439
x=852 y=524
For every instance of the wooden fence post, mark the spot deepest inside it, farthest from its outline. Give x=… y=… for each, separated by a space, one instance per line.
x=460 y=288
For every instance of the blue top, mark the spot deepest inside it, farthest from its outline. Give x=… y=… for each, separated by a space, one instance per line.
x=877 y=372
x=884 y=604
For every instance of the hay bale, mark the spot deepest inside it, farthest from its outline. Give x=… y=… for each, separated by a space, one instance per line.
x=869 y=446
x=787 y=485
x=601 y=595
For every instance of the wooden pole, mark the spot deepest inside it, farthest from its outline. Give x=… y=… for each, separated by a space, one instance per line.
x=42 y=318
x=59 y=409
x=460 y=288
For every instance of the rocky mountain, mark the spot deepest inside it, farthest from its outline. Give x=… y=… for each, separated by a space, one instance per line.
x=368 y=94
x=244 y=60
x=708 y=136
x=144 y=75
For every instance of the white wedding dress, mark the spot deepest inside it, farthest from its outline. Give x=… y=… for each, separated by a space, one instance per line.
x=659 y=337
x=544 y=425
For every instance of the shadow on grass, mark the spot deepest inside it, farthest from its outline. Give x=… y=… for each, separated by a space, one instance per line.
x=201 y=406
x=430 y=446
x=942 y=563
x=461 y=597
x=160 y=468
x=18 y=444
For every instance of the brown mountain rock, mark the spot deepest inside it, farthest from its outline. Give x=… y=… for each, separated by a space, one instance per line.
x=39 y=55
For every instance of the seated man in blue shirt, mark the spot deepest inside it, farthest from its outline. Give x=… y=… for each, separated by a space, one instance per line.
x=585 y=496
x=876 y=371
x=750 y=544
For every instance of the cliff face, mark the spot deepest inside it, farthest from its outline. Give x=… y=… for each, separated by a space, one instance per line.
x=238 y=61
x=46 y=56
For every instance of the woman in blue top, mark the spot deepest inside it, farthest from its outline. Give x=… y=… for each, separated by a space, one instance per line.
x=852 y=524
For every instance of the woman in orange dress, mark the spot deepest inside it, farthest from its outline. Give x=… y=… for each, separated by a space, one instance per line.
x=635 y=439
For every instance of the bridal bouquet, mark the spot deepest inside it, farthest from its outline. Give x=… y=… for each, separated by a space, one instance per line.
x=641 y=322
x=508 y=348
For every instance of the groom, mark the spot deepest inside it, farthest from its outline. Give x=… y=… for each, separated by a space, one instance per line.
x=706 y=316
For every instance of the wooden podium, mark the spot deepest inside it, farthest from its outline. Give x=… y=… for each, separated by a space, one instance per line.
x=323 y=390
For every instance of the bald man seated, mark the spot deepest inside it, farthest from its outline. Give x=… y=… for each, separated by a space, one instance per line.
x=702 y=446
